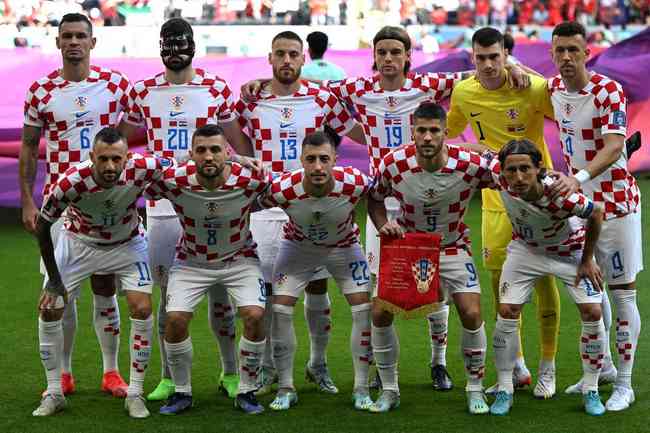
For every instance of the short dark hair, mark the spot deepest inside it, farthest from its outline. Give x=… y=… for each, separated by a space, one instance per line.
x=76 y=18
x=174 y=26
x=520 y=147
x=109 y=135
x=317 y=42
x=208 y=130
x=487 y=36
x=570 y=28
x=288 y=34
x=395 y=33
x=318 y=138
x=431 y=111
x=508 y=42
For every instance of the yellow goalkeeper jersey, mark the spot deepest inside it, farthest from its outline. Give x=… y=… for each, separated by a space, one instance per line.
x=498 y=116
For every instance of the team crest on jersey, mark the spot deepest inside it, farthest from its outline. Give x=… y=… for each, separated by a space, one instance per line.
x=423 y=272
x=430 y=193
x=568 y=109
x=286 y=114
x=211 y=206
x=392 y=102
x=317 y=216
x=81 y=101
x=177 y=102
x=512 y=113
x=109 y=204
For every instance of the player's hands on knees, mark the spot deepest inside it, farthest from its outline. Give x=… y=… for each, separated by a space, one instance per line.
x=250 y=90
x=392 y=228
x=30 y=216
x=564 y=185
x=589 y=269
x=47 y=301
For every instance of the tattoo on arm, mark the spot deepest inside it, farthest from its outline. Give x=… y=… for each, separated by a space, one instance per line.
x=29 y=159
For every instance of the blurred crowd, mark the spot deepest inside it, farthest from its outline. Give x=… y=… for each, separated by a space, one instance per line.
x=321 y=12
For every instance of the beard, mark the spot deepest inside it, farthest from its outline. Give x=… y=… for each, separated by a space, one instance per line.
x=210 y=172
x=176 y=66
x=285 y=78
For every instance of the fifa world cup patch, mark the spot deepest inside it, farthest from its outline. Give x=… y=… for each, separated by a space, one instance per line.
x=619 y=118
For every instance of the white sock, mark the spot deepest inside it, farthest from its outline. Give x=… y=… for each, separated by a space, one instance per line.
x=250 y=362
x=140 y=348
x=592 y=353
x=608 y=363
x=360 y=344
x=319 y=320
x=165 y=373
x=222 y=323
x=69 y=332
x=284 y=344
x=438 y=324
x=628 y=327
x=386 y=350
x=267 y=359
x=473 y=346
x=107 y=327
x=505 y=343
x=179 y=358
x=50 y=339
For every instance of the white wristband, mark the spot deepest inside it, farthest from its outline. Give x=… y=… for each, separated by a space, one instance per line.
x=582 y=176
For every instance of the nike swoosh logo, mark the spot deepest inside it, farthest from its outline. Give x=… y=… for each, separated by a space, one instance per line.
x=565 y=122
x=175 y=113
x=617 y=276
x=286 y=125
x=80 y=115
x=474 y=114
x=141 y=284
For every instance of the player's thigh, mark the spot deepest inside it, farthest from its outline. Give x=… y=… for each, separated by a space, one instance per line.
x=130 y=264
x=76 y=262
x=163 y=234
x=458 y=274
x=522 y=268
x=267 y=235
x=243 y=280
x=294 y=268
x=619 y=251
x=349 y=269
x=188 y=285
x=566 y=269
x=496 y=233
x=372 y=235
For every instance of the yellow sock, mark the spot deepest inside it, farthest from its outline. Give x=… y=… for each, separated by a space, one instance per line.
x=548 y=315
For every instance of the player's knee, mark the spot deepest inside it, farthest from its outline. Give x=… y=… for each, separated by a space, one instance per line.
x=381 y=317
x=471 y=316
x=51 y=315
x=318 y=287
x=590 y=312
x=176 y=326
x=253 y=318
x=103 y=285
x=509 y=311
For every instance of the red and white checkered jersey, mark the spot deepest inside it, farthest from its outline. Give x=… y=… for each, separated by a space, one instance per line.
x=386 y=116
x=72 y=113
x=172 y=112
x=277 y=125
x=584 y=118
x=434 y=202
x=549 y=226
x=215 y=222
x=102 y=217
x=320 y=221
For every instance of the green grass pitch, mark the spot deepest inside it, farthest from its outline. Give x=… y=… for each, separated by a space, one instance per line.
x=422 y=408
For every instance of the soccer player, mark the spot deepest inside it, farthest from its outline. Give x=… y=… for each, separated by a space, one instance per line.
x=590 y=110
x=319 y=68
x=433 y=183
x=102 y=234
x=171 y=105
x=70 y=105
x=321 y=233
x=287 y=110
x=213 y=200
x=548 y=239
x=498 y=114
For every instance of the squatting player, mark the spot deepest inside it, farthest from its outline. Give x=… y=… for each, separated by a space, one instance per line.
x=498 y=114
x=590 y=110
x=321 y=233
x=286 y=111
x=433 y=182
x=548 y=239
x=213 y=200
x=71 y=105
x=102 y=234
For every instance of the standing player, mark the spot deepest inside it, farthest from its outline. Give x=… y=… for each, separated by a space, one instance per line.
x=590 y=111
x=433 y=183
x=71 y=105
x=172 y=104
x=548 y=238
x=213 y=200
x=320 y=200
x=287 y=110
x=498 y=114
x=102 y=234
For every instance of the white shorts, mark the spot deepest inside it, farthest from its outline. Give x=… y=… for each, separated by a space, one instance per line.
x=297 y=265
x=163 y=233
x=619 y=251
x=458 y=274
x=393 y=211
x=267 y=234
x=240 y=277
x=77 y=261
x=524 y=266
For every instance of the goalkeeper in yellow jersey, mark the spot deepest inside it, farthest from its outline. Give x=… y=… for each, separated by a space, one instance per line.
x=498 y=114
